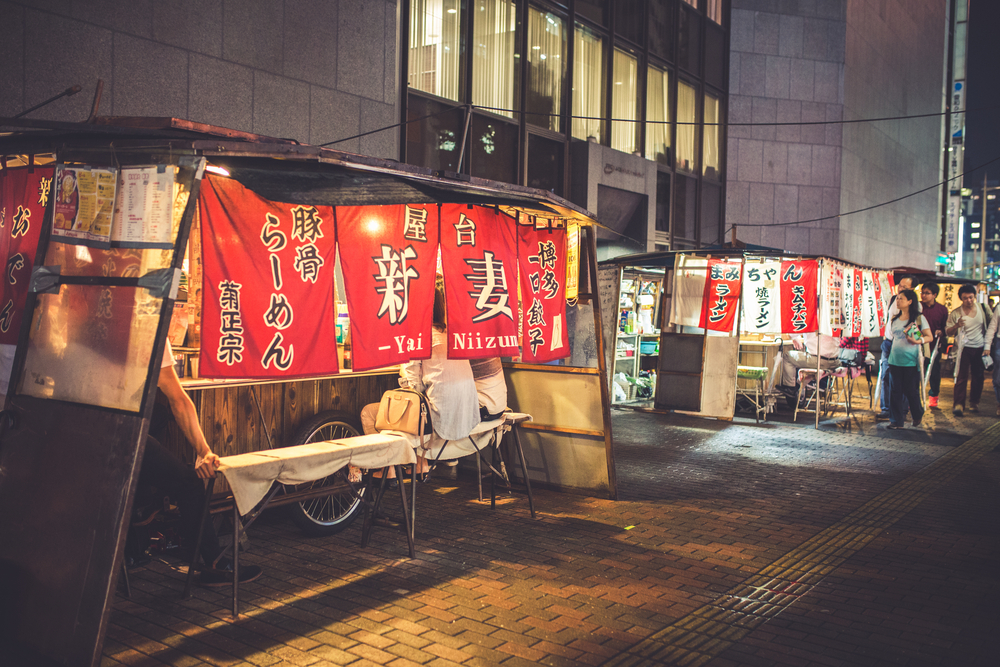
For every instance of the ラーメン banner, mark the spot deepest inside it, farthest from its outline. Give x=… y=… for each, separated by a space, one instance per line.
x=542 y=257
x=389 y=256
x=24 y=194
x=268 y=294
x=722 y=295
x=479 y=260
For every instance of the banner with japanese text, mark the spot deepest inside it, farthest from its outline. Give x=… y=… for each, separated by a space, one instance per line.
x=479 y=260
x=871 y=323
x=761 y=297
x=722 y=295
x=389 y=256
x=24 y=195
x=798 y=296
x=268 y=292
x=852 y=319
x=831 y=309
x=542 y=258
x=859 y=315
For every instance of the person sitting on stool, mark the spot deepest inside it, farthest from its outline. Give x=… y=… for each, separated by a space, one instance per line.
x=164 y=471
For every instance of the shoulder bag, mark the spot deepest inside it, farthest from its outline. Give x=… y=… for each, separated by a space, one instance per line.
x=403 y=410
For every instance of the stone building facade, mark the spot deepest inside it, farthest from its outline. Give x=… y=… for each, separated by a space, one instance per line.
x=803 y=62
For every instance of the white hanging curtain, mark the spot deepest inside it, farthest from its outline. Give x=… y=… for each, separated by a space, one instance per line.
x=493 y=27
x=435 y=46
x=710 y=140
x=547 y=61
x=624 y=102
x=685 y=133
x=588 y=83
x=657 y=115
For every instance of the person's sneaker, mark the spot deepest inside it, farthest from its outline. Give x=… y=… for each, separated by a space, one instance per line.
x=957 y=411
x=894 y=427
x=882 y=415
x=932 y=401
x=917 y=424
x=974 y=408
x=222 y=574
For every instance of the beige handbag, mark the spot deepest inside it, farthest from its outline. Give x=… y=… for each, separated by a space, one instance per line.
x=403 y=410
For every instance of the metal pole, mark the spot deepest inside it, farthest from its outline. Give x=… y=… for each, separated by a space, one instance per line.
x=982 y=236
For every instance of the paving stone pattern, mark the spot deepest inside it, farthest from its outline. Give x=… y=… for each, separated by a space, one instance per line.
x=707 y=511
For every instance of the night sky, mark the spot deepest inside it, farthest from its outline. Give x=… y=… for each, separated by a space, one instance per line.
x=982 y=126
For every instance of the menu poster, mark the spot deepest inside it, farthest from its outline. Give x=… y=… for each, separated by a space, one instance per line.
x=144 y=207
x=84 y=205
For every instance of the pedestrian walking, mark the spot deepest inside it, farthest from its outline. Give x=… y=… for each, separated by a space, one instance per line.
x=968 y=323
x=909 y=329
x=936 y=315
x=905 y=283
x=991 y=348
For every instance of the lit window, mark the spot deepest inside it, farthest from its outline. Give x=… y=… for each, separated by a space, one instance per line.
x=658 y=115
x=975 y=225
x=624 y=98
x=546 y=68
x=975 y=235
x=434 y=46
x=588 y=84
x=686 y=96
x=710 y=148
x=713 y=8
x=493 y=56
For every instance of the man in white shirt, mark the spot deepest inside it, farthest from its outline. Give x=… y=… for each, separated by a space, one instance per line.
x=968 y=323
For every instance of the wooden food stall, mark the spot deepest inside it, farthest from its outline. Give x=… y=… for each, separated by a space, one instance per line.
x=724 y=311
x=114 y=257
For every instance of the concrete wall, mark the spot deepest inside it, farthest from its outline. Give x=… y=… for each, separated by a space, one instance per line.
x=894 y=67
x=310 y=70
x=835 y=60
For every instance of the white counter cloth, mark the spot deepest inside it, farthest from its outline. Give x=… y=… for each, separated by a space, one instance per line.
x=435 y=448
x=251 y=475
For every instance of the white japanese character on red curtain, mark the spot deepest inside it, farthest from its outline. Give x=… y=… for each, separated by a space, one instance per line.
x=415 y=224
x=395 y=275
x=308 y=262
x=6 y=314
x=465 y=231
x=15 y=263
x=546 y=256
x=230 y=349
x=274 y=239
x=44 y=188
x=22 y=222
x=489 y=280
x=277 y=355
x=306 y=224
x=279 y=313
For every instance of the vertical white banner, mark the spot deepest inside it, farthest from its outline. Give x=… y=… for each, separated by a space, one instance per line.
x=761 y=298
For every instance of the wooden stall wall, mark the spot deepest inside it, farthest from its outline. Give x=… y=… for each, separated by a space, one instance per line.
x=232 y=422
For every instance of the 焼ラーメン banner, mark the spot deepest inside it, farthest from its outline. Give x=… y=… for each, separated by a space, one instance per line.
x=722 y=295
x=479 y=259
x=389 y=257
x=542 y=257
x=268 y=297
x=761 y=297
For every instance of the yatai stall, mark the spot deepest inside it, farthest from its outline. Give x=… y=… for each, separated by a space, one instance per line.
x=723 y=314
x=294 y=280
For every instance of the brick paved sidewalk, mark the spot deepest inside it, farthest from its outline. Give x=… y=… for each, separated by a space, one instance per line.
x=732 y=544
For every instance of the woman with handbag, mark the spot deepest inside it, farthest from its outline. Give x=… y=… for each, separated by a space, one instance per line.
x=909 y=329
x=447 y=383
